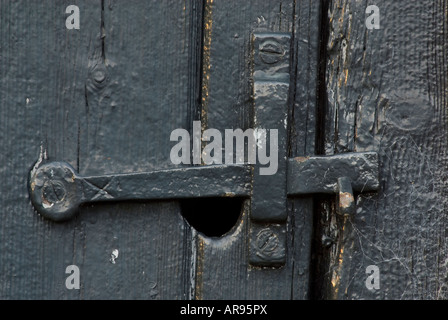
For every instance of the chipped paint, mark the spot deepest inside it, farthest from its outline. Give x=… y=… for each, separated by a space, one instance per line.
x=200 y=257
x=114 y=256
x=207 y=40
x=301 y=159
x=346 y=199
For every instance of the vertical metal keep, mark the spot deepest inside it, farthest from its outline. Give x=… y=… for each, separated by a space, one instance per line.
x=271 y=74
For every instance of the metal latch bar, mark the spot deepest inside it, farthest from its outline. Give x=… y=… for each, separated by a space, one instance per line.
x=320 y=174
x=57 y=190
x=341 y=174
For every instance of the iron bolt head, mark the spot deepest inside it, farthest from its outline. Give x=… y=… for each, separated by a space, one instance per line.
x=271 y=51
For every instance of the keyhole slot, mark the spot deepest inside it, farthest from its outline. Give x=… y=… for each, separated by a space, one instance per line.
x=213 y=217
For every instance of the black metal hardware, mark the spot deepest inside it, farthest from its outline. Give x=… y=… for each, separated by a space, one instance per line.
x=56 y=190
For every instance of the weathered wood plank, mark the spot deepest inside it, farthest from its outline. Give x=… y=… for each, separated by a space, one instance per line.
x=228 y=103
x=387 y=93
x=146 y=53
x=55 y=98
x=150 y=242
x=303 y=133
x=147 y=50
x=42 y=74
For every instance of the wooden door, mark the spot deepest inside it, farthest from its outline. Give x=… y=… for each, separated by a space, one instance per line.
x=106 y=97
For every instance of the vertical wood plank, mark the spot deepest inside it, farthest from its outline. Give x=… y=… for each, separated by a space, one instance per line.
x=42 y=72
x=386 y=93
x=146 y=53
x=228 y=104
x=58 y=102
x=303 y=136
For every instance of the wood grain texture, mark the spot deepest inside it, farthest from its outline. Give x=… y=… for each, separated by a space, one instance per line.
x=228 y=104
x=147 y=49
x=166 y=63
x=42 y=74
x=386 y=92
x=304 y=130
x=51 y=107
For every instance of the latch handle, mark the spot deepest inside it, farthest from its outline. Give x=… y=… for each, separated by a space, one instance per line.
x=341 y=174
x=56 y=190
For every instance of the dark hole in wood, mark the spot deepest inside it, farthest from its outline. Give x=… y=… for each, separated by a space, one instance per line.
x=213 y=217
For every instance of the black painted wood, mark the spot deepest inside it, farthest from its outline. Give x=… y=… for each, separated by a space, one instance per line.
x=227 y=103
x=386 y=92
x=43 y=71
x=53 y=106
x=147 y=49
x=105 y=99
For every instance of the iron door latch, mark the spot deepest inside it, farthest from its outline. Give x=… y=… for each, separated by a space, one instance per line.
x=56 y=190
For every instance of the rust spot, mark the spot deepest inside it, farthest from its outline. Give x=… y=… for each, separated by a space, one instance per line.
x=301 y=159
